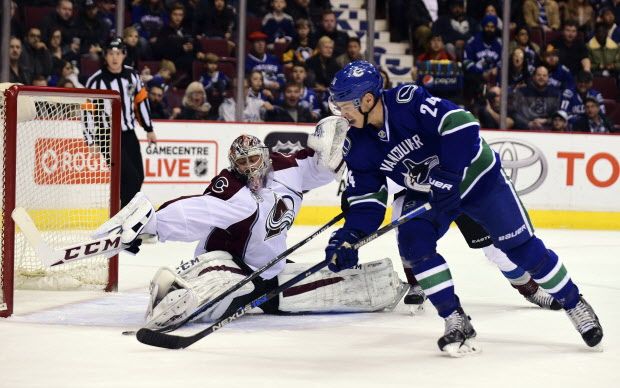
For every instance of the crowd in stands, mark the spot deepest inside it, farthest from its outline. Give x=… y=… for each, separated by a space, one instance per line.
x=563 y=71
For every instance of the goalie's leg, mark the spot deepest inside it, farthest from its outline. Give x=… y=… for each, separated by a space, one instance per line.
x=367 y=287
x=174 y=296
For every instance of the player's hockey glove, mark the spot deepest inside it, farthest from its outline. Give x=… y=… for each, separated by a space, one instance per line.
x=339 y=252
x=445 y=193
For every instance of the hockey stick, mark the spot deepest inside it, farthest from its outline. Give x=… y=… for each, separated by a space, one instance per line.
x=205 y=305
x=171 y=341
x=49 y=256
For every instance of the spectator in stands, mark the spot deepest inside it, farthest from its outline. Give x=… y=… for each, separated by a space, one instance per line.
x=488 y=114
x=178 y=45
x=218 y=20
x=573 y=100
x=593 y=121
x=65 y=70
x=436 y=50
x=543 y=14
x=456 y=28
x=609 y=19
x=482 y=57
x=54 y=46
x=267 y=64
x=573 y=52
x=65 y=83
x=91 y=28
x=35 y=54
x=256 y=87
x=61 y=19
x=107 y=12
x=72 y=53
x=301 y=47
x=308 y=97
x=149 y=17
x=17 y=72
x=418 y=23
x=353 y=53
x=490 y=9
x=299 y=9
x=533 y=105
x=163 y=77
x=291 y=110
x=156 y=98
x=17 y=30
x=322 y=66
x=387 y=84
x=137 y=50
x=582 y=12
x=530 y=49
x=519 y=72
x=329 y=28
x=604 y=53
x=195 y=105
x=39 y=80
x=559 y=121
x=215 y=83
x=278 y=25
x=254 y=108
x=559 y=75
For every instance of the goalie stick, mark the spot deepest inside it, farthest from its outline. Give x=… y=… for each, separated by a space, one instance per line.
x=49 y=256
x=171 y=341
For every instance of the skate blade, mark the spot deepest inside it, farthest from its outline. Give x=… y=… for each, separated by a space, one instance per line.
x=457 y=350
x=416 y=309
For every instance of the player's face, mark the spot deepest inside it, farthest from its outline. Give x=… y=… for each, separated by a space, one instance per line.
x=347 y=110
x=246 y=164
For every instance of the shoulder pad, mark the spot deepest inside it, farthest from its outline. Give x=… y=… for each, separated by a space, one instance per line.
x=280 y=161
x=224 y=185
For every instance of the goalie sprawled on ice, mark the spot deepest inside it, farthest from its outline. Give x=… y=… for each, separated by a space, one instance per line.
x=241 y=223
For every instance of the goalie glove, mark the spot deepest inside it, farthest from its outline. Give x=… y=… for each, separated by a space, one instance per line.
x=130 y=222
x=327 y=141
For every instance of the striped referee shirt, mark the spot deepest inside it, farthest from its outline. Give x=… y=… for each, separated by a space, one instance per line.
x=134 y=101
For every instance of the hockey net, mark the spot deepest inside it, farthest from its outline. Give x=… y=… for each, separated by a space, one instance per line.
x=60 y=161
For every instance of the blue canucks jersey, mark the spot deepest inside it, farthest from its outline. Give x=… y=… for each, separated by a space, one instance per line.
x=419 y=133
x=561 y=78
x=574 y=105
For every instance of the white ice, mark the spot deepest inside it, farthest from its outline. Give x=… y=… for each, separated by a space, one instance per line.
x=73 y=339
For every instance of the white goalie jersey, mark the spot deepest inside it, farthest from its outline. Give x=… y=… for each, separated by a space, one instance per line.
x=229 y=217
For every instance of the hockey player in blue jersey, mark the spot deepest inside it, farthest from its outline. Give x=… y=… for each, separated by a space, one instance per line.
x=432 y=147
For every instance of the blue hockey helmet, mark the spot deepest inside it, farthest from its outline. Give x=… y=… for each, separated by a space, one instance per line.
x=354 y=81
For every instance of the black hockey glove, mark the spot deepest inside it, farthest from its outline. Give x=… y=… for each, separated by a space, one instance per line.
x=445 y=193
x=339 y=252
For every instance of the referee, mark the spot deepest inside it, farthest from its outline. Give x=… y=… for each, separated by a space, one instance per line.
x=135 y=107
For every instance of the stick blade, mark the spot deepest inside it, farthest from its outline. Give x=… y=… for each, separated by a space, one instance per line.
x=161 y=340
x=35 y=239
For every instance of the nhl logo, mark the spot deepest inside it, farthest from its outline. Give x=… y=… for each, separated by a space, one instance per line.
x=201 y=167
x=382 y=134
x=287 y=147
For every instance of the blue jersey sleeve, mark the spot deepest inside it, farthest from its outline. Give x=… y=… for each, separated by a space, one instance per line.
x=366 y=193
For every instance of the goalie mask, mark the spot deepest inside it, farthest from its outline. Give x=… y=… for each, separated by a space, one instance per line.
x=249 y=158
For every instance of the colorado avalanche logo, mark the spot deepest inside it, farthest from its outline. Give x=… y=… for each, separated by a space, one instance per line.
x=417 y=173
x=280 y=217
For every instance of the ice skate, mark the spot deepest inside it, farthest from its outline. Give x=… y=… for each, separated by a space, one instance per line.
x=544 y=300
x=415 y=298
x=459 y=337
x=586 y=322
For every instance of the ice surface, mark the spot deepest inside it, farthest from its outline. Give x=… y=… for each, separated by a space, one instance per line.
x=73 y=339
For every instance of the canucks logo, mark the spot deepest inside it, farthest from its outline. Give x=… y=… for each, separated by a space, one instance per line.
x=416 y=176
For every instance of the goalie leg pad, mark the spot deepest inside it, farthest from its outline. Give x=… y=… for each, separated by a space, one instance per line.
x=175 y=296
x=366 y=287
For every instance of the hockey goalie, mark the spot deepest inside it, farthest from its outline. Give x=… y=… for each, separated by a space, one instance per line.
x=240 y=224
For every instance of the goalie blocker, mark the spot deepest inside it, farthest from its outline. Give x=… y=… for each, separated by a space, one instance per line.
x=367 y=287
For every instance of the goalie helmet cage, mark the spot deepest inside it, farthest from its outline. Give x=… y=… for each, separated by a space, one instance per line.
x=61 y=162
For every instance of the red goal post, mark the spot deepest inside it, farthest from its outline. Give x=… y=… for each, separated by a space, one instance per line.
x=60 y=156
